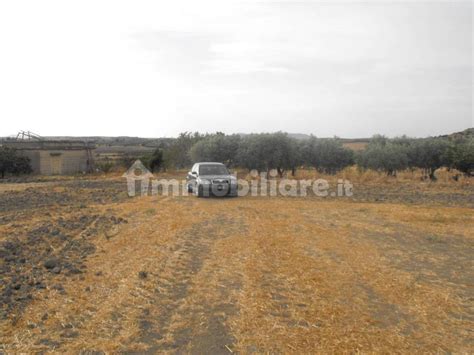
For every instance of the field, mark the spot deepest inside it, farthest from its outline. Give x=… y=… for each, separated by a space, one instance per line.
x=86 y=268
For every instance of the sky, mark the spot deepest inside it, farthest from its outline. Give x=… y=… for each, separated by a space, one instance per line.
x=157 y=68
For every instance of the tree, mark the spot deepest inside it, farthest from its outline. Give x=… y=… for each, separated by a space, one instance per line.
x=177 y=154
x=384 y=156
x=428 y=154
x=268 y=151
x=11 y=162
x=460 y=155
x=156 y=160
x=216 y=147
x=250 y=153
x=296 y=154
x=327 y=155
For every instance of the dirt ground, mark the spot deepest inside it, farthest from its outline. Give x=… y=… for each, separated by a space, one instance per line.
x=84 y=268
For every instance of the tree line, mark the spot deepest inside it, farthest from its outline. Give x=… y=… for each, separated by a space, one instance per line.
x=266 y=151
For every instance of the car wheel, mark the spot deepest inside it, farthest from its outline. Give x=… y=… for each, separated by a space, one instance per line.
x=200 y=191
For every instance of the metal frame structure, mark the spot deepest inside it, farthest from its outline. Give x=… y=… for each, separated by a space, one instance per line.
x=27 y=135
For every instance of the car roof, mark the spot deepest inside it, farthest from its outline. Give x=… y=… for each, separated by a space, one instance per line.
x=209 y=163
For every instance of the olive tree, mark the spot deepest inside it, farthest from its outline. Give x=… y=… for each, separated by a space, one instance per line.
x=384 y=156
x=460 y=155
x=428 y=154
x=268 y=151
x=326 y=155
x=177 y=153
x=217 y=147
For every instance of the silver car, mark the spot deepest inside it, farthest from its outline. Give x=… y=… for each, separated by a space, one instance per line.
x=206 y=179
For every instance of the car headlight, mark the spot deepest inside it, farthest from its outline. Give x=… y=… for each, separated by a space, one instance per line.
x=205 y=181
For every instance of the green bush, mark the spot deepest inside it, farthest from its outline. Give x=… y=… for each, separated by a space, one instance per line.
x=105 y=166
x=13 y=163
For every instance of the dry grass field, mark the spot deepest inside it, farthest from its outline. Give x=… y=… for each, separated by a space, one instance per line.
x=86 y=268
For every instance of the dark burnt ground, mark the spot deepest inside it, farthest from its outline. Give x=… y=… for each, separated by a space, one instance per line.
x=69 y=193
x=47 y=233
x=413 y=193
x=421 y=193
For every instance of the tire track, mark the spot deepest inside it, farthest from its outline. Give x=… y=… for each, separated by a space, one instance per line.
x=172 y=320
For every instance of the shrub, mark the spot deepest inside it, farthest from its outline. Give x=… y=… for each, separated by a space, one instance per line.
x=13 y=163
x=156 y=160
x=105 y=166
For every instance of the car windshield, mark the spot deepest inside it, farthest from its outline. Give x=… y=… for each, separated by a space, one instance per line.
x=213 y=169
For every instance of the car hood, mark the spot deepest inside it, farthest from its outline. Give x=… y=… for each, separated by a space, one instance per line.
x=212 y=177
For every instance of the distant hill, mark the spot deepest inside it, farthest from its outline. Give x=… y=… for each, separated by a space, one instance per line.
x=458 y=135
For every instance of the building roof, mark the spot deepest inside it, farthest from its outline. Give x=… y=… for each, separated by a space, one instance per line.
x=22 y=144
